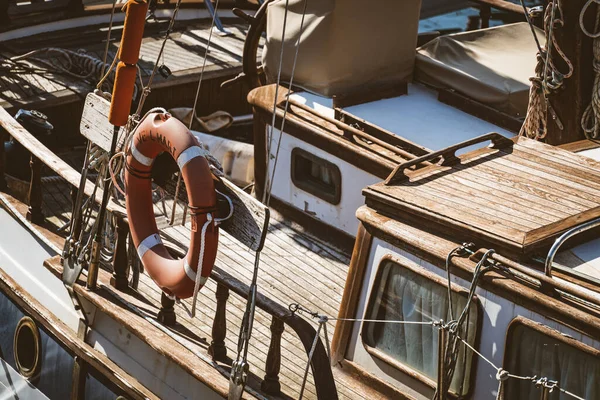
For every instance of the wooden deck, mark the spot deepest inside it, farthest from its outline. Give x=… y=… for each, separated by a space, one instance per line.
x=183 y=55
x=295 y=268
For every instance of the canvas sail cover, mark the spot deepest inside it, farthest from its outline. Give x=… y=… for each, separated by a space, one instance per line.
x=492 y=66
x=346 y=46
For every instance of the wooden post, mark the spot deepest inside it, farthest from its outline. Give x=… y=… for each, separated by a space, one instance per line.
x=217 y=348
x=270 y=384
x=167 y=315
x=485 y=14
x=120 y=276
x=572 y=99
x=34 y=213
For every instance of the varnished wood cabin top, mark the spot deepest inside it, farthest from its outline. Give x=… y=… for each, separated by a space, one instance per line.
x=517 y=197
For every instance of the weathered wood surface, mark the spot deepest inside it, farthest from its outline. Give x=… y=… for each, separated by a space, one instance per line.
x=250 y=219
x=518 y=198
x=295 y=268
x=183 y=55
x=94 y=123
x=68 y=338
x=51 y=160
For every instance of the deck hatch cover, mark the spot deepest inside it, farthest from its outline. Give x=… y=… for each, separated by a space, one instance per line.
x=518 y=198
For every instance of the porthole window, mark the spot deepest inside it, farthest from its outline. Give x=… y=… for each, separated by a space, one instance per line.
x=316 y=176
x=27 y=347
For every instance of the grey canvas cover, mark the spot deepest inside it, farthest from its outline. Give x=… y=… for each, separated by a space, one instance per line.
x=347 y=45
x=492 y=66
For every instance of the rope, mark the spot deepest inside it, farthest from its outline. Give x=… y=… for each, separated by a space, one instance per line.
x=455 y=327
x=108 y=34
x=270 y=133
x=197 y=286
x=548 y=77
x=193 y=116
x=591 y=116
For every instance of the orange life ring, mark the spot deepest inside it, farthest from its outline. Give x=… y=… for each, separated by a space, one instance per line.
x=157 y=133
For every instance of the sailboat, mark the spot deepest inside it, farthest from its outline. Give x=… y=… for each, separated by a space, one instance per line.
x=469 y=272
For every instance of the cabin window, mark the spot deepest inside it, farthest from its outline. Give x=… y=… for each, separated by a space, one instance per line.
x=316 y=176
x=410 y=293
x=536 y=350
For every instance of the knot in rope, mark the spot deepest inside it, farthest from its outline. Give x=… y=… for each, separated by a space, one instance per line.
x=502 y=375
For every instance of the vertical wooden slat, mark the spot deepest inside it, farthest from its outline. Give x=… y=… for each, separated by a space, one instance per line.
x=270 y=384
x=120 y=277
x=217 y=348
x=34 y=213
x=166 y=315
x=485 y=14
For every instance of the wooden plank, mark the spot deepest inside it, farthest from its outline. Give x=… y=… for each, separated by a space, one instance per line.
x=158 y=340
x=94 y=124
x=250 y=219
x=52 y=161
x=461 y=219
x=529 y=190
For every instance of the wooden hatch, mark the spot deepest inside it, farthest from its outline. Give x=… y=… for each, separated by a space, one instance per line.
x=516 y=195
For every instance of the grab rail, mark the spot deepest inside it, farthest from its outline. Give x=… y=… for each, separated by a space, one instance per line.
x=563 y=238
x=448 y=155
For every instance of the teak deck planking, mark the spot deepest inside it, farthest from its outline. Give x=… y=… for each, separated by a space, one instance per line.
x=295 y=267
x=518 y=197
x=184 y=55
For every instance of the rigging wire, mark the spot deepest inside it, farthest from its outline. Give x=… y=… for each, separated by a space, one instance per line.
x=270 y=133
x=285 y=110
x=193 y=115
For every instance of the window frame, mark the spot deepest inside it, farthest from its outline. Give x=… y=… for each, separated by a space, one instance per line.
x=406 y=369
x=313 y=188
x=546 y=331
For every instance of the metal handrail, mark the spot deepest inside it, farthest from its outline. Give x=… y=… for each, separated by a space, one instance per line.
x=563 y=238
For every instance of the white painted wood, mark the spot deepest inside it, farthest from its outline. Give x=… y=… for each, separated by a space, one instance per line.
x=497 y=314
x=342 y=215
x=94 y=124
x=161 y=376
x=417 y=116
x=22 y=257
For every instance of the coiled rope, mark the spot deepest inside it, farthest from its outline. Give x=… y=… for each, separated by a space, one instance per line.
x=548 y=77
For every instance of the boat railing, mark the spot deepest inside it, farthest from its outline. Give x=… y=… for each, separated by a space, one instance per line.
x=586 y=226
x=281 y=316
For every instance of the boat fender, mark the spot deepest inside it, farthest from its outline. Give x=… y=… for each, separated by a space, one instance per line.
x=157 y=133
x=120 y=104
x=133 y=31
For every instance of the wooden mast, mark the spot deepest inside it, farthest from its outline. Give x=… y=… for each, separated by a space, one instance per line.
x=571 y=100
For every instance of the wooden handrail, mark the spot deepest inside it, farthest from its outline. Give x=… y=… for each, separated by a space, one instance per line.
x=51 y=160
x=320 y=365
x=501 y=5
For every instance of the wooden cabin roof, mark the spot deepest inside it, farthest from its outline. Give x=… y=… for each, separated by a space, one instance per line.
x=517 y=197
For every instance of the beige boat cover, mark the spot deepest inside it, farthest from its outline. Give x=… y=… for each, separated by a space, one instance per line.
x=492 y=66
x=346 y=46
